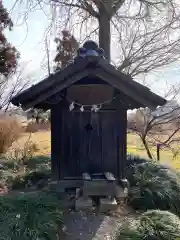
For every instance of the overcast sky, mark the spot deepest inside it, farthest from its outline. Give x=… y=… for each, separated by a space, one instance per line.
x=28 y=37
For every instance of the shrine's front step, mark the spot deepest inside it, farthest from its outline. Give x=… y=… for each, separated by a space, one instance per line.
x=83 y=203
x=99 y=184
x=105 y=205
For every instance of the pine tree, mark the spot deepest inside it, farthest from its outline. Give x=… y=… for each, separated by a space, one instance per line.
x=66 y=49
x=8 y=54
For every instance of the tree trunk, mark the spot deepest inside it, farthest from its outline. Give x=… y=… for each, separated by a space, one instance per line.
x=37 y=119
x=147 y=148
x=104 y=30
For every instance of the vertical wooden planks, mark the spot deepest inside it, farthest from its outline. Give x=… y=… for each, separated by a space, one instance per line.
x=121 y=140
x=56 y=140
x=101 y=149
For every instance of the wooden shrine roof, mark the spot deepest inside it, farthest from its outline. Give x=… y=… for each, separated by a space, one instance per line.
x=89 y=62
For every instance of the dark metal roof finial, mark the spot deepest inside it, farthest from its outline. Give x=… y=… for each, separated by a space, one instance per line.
x=90 y=45
x=90 y=49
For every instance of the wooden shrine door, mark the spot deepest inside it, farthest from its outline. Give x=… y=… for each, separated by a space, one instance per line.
x=90 y=142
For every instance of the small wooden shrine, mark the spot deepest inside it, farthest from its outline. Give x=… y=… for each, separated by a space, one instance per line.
x=89 y=100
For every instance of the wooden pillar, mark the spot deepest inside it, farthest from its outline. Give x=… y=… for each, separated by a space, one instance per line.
x=56 y=138
x=121 y=139
x=124 y=140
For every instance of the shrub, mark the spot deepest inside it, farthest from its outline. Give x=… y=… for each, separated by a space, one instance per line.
x=40 y=163
x=30 y=217
x=28 y=152
x=152 y=225
x=23 y=155
x=154 y=186
x=6 y=177
x=36 y=178
x=18 y=173
x=132 y=162
x=10 y=130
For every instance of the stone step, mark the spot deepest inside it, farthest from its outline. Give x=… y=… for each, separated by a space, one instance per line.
x=107 y=204
x=83 y=203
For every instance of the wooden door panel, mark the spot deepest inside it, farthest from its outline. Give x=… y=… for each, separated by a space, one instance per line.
x=93 y=150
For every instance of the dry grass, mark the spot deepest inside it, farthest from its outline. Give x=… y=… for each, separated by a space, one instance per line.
x=166 y=156
x=35 y=127
x=10 y=131
x=43 y=140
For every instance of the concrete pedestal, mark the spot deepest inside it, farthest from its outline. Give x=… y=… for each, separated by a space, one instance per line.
x=83 y=203
x=107 y=205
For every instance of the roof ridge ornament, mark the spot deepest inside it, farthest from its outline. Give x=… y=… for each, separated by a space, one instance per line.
x=90 y=49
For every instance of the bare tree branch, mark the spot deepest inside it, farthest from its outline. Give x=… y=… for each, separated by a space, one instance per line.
x=148 y=30
x=12 y=86
x=159 y=127
x=84 y=5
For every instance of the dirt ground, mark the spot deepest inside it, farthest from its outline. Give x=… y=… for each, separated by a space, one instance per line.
x=87 y=225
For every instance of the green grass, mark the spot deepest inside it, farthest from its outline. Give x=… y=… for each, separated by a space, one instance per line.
x=36 y=218
x=17 y=175
x=152 y=225
x=153 y=186
x=30 y=216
